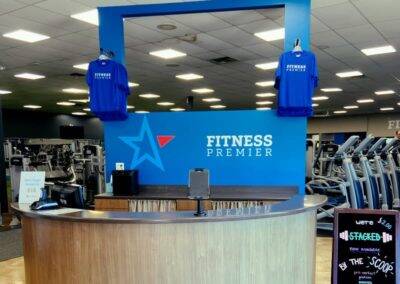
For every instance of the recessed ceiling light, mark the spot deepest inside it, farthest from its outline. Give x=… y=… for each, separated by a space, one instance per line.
x=149 y=96
x=75 y=91
x=86 y=109
x=79 y=100
x=211 y=100
x=263 y=108
x=189 y=76
x=82 y=66
x=351 y=107
x=91 y=17
x=217 y=106
x=5 y=92
x=365 y=101
x=32 y=106
x=177 y=109
x=130 y=107
x=167 y=53
x=133 y=84
x=378 y=50
x=386 y=108
x=141 y=111
x=271 y=35
x=331 y=90
x=265 y=83
x=264 y=103
x=165 y=103
x=349 y=74
x=265 y=95
x=398 y=103
x=65 y=103
x=166 y=27
x=203 y=91
x=29 y=76
x=268 y=65
x=384 y=92
x=340 y=111
x=26 y=36
x=79 y=113
x=315 y=105
x=320 y=98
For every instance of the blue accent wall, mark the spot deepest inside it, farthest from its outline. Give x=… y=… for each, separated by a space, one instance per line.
x=254 y=148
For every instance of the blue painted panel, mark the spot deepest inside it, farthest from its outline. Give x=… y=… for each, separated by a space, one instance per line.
x=253 y=148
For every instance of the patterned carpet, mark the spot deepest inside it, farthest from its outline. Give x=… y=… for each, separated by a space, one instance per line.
x=10 y=244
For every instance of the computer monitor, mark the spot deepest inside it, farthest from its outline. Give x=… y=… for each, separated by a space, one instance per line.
x=68 y=195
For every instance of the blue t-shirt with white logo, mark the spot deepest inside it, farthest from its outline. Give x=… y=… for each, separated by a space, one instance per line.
x=108 y=85
x=296 y=78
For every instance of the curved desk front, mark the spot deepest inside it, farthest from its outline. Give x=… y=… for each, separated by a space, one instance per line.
x=267 y=244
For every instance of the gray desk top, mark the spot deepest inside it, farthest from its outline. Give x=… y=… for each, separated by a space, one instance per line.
x=294 y=205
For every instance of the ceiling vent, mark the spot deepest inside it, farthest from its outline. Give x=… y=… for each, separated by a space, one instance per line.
x=223 y=60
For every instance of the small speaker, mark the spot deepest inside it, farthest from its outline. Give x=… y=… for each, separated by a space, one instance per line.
x=125 y=183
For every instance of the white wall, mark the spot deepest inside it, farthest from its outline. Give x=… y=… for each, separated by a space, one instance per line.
x=378 y=124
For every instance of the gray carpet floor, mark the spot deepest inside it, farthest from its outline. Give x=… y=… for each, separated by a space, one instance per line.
x=10 y=244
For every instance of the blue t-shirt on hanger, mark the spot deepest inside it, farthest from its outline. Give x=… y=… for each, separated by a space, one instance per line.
x=108 y=85
x=296 y=78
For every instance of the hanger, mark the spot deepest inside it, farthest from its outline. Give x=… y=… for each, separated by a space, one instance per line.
x=297 y=46
x=105 y=55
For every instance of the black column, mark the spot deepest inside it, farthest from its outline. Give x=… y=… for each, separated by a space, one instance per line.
x=3 y=182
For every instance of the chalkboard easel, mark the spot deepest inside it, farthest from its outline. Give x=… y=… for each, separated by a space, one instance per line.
x=365 y=247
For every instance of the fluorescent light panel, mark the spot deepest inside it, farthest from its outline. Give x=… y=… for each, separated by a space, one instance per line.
x=349 y=74
x=130 y=107
x=340 y=111
x=351 y=107
x=378 y=50
x=271 y=35
x=263 y=108
x=79 y=100
x=365 y=101
x=211 y=100
x=133 y=84
x=386 y=108
x=177 y=109
x=29 y=76
x=267 y=65
x=32 y=106
x=5 y=92
x=75 y=91
x=86 y=109
x=265 y=83
x=91 y=17
x=203 y=91
x=65 y=103
x=331 y=90
x=167 y=53
x=149 y=96
x=265 y=95
x=384 y=92
x=141 y=111
x=79 y=113
x=262 y=103
x=82 y=66
x=165 y=103
x=320 y=98
x=217 y=106
x=315 y=105
x=189 y=76
x=26 y=36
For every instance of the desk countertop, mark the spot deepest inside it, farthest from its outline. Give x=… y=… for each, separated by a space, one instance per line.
x=294 y=205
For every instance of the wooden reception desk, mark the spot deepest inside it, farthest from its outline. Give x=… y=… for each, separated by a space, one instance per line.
x=265 y=244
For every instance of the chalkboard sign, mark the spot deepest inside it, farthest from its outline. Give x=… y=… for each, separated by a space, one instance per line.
x=365 y=247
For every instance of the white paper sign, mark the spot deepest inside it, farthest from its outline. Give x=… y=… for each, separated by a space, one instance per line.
x=30 y=186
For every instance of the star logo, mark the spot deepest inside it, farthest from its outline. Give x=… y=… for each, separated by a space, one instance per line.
x=145 y=147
